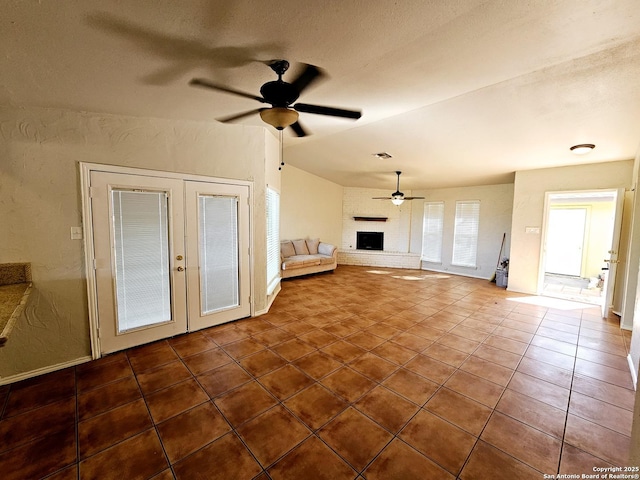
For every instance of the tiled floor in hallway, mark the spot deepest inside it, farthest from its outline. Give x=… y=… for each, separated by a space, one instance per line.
x=363 y=373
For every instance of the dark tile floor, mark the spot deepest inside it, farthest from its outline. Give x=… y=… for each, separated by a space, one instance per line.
x=364 y=373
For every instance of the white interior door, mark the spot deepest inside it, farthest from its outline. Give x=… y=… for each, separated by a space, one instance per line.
x=218 y=257
x=612 y=259
x=565 y=241
x=138 y=233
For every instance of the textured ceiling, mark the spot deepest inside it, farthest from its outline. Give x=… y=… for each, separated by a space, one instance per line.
x=459 y=92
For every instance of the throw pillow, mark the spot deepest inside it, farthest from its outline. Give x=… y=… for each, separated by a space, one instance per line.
x=286 y=249
x=301 y=247
x=312 y=245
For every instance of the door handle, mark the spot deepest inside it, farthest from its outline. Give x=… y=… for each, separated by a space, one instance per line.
x=611 y=261
x=180 y=269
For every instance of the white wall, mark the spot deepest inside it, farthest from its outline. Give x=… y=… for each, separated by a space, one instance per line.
x=40 y=201
x=495 y=219
x=310 y=207
x=528 y=210
x=359 y=202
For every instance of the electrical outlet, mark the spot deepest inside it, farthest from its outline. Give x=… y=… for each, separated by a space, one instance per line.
x=76 y=233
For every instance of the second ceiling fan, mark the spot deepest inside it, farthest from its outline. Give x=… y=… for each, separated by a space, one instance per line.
x=281 y=96
x=397 y=197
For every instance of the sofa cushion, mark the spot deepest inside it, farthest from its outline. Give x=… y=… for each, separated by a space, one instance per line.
x=326 y=249
x=324 y=259
x=300 y=247
x=312 y=245
x=299 y=261
x=286 y=249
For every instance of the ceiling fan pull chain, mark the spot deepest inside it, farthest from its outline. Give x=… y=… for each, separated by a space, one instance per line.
x=281 y=150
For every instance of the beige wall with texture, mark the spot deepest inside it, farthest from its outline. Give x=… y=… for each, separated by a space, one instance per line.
x=40 y=202
x=310 y=207
x=528 y=210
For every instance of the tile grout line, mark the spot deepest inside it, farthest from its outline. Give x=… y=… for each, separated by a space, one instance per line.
x=566 y=418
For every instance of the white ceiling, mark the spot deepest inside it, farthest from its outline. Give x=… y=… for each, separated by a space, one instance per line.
x=460 y=92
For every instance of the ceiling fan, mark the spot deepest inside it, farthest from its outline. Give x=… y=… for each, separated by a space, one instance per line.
x=397 y=197
x=281 y=96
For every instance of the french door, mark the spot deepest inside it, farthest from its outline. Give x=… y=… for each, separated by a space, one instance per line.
x=171 y=256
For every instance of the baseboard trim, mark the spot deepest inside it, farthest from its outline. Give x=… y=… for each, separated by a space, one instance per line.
x=634 y=374
x=270 y=299
x=44 y=370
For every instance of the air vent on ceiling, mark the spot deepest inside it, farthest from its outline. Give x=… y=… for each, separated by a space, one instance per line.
x=382 y=155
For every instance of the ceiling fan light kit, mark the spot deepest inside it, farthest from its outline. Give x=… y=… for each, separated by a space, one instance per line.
x=583 y=148
x=279 y=118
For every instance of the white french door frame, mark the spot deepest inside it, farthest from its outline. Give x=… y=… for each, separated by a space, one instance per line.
x=89 y=252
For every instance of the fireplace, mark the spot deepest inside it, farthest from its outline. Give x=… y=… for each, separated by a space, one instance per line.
x=370 y=240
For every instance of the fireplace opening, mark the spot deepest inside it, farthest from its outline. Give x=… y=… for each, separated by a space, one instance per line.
x=370 y=240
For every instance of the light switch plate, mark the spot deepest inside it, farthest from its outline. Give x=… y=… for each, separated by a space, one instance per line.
x=535 y=230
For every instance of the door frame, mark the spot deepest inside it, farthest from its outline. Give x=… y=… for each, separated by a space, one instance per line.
x=85 y=170
x=615 y=235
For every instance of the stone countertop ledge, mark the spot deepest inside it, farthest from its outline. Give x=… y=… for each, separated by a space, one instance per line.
x=15 y=287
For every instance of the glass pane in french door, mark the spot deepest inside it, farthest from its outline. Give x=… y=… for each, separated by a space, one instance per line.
x=141 y=251
x=218 y=245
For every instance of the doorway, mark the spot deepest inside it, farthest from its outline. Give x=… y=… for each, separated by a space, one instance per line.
x=581 y=232
x=170 y=255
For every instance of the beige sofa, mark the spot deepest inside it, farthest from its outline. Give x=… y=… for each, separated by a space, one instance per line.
x=302 y=257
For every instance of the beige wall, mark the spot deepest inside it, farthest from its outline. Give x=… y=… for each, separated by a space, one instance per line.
x=310 y=207
x=496 y=203
x=40 y=201
x=528 y=210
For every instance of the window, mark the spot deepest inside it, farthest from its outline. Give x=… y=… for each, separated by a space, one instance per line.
x=432 y=232
x=273 y=240
x=465 y=234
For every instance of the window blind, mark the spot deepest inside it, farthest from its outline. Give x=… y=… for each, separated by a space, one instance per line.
x=432 y=232
x=218 y=245
x=141 y=247
x=465 y=234
x=273 y=239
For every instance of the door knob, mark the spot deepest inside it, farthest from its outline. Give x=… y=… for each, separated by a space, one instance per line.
x=180 y=269
x=611 y=261
x=179 y=257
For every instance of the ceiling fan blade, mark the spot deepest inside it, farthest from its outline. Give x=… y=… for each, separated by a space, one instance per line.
x=298 y=129
x=381 y=198
x=238 y=116
x=207 y=84
x=414 y=198
x=309 y=75
x=320 y=110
